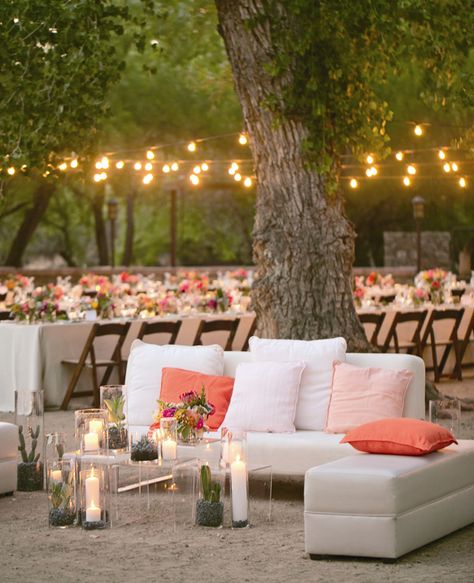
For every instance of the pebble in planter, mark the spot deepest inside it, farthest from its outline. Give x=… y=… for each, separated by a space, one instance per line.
x=30 y=469
x=209 y=508
x=62 y=512
x=144 y=450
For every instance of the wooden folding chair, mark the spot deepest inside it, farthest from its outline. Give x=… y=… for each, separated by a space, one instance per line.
x=375 y=320
x=4 y=315
x=463 y=345
x=171 y=328
x=88 y=360
x=207 y=326
x=453 y=317
x=251 y=332
x=411 y=346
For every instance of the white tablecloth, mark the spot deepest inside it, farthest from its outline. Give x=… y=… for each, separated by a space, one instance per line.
x=31 y=354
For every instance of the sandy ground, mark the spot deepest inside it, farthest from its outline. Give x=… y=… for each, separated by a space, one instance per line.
x=144 y=546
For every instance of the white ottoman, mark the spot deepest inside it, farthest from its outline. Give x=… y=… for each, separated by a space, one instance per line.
x=8 y=457
x=385 y=505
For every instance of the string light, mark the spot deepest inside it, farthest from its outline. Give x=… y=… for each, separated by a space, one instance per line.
x=74 y=163
x=372 y=171
x=237 y=177
x=204 y=166
x=11 y=171
x=192 y=146
x=166 y=168
x=454 y=167
x=97 y=178
x=147 y=178
x=406 y=181
x=175 y=166
x=120 y=164
x=248 y=182
x=98 y=165
x=243 y=139
x=148 y=166
x=418 y=130
x=105 y=162
x=441 y=154
x=197 y=170
x=232 y=170
x=150 y=155
x=370 y=159
x=23 y=167
x=194 y=179
x=353 y=183
x=411 y=169
x=462 y=182
x=63 y=166
x=447 y=167
x=103 y=176
x=234 y=165
x=399 y=156
x=137 y=166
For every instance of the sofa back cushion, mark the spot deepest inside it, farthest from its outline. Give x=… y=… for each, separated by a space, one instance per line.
x=315 y=385
x=265 y=396
x=176 y=381
x=144 y=370
x=360 y=395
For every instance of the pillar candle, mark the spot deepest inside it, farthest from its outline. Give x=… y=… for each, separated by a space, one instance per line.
x=96 y=426
x=93 y=513
x=56 y=476
x=92 y=489
x=91 y=441
x=238 y=476
x=168 y=449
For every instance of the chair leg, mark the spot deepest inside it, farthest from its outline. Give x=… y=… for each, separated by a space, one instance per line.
x=72 y=385
x=96 y=397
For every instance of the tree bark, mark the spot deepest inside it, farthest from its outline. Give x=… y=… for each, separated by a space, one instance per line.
x=303 y=243
x=97 y=204
x=127 y=257
x=30 y=222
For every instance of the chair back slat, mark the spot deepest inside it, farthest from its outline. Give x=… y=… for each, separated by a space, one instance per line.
x=415 y=317
x=375 y=319
x=207 y=326
x=171 y=328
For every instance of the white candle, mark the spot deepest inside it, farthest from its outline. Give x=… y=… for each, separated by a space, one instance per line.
x=231 y=451
x=92 y=489
x=56 y=476
x=96 y=426
x=91 y=441
x=238 y=476
x=168 y=449
x=93 y=513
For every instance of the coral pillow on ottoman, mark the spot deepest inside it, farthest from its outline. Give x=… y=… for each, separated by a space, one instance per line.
x=265 y=396
x=402 y=436
x=176 y=381
x=360 y=395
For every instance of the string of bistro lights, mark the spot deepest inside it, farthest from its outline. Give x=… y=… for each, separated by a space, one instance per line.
x=148 y=164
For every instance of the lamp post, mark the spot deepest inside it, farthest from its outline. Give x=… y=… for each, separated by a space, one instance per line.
x=418 y=203
x=112 y=209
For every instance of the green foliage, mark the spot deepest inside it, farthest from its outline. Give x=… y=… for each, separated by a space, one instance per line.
x=211 y=491
x=61 y=495
x=32 y=456
x=115 y=407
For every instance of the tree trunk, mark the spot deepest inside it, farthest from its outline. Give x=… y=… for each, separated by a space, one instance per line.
x=30 y=222
x=127 y=257
x=97 y=203
x=303 y=243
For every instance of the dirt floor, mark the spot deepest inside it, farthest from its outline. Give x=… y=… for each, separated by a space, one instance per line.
x=145 y=546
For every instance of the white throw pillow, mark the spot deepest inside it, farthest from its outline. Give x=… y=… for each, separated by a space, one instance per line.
x=265 y=396
x=315 y=389
x=145 y=365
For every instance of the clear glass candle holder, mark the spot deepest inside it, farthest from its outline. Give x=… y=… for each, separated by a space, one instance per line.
x=91 y=430
x=447 y=413
x=61 y=486
x=234 y=456
x=113 y=399
x=29 y=417
x=169 y=438
x=55 y=445
x=94 y=496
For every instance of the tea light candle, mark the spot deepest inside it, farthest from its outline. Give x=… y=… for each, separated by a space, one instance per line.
x=93 y=513
x=92 y=489
x=238 y=476
x=96 y=426
x=56 y=476
x=91 y=441
x=168 y=449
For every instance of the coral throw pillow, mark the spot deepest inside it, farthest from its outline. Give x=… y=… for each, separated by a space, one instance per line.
x=402 y=436
x=176 y=381
x=360 y=395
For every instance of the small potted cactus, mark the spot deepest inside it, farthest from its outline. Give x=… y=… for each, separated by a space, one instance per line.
x=117 y=431
x=62 y=512
x=209 y=507
x=30 y=469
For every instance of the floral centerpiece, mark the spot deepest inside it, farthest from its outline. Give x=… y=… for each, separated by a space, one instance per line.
x=191 y=414
x=41 y=306
x=432 y=280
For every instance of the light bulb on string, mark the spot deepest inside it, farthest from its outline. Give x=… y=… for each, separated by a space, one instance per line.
x=11 y=171
x=105 y=162
x=137 y=166
x=247 y=182
x=192 y=146
x=148 y=166
x=194 y=179
x=454 y=167
x=98 y=165
x=166 y=168
x=234 y=165
x=103 y=176
x=353 y=183
x=406 y=181
x=243 y=139
x=232 y=170
x=462 y=182
x=150 y=155
x=399 y=156
x=74 y=163
x=447 y=167
x=418 y=130
x=237 y=177
x=197 y=170
x=147 y=178
x=411 y=169
x=442 y=155
x=175 y=166
x=120 y=164
x=370 y=159
x=23 y=167
x=204 y=166
x=372 y=171
x=97 y=178
x=63 y=166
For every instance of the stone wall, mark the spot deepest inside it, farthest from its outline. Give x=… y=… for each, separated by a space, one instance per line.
x=400 y=249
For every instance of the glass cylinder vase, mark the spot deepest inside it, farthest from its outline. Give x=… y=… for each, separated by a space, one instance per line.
x=94 y=496
x=55 y=445
x=91 y=430
x=29 y=417
x=113 y=399
x=169 y=438
x=61 y=485
x=239 y=488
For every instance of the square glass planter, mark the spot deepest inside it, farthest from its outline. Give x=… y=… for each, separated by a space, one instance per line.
x=29 y=416
x=61 y=485
x=94 y=496
x=113 y=399
x=234 y=456
x=91 y=430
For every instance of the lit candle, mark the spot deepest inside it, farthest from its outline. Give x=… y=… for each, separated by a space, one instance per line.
x=92 y=489
x=238 y=476
x=91 y=441
x=96 y=426
x=168 y=449
x=56 y=476
x=93 y=513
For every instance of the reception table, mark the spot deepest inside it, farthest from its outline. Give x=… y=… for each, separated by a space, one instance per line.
x=31 y=354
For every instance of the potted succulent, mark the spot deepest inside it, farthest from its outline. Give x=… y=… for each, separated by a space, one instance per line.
x=62 y=512
x=30 y=469
x=117 y=431
x=209 y=508
x=143 y=450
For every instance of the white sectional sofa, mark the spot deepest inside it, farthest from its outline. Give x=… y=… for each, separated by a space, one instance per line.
x=8 y=457
x=292 y=454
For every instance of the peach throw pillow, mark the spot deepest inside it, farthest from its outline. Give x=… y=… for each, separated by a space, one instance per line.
x=360 y=395
x=402 y=436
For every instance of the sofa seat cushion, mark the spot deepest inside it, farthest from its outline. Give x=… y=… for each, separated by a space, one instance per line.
x=384 y=485
x=8 y=441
